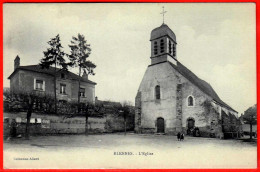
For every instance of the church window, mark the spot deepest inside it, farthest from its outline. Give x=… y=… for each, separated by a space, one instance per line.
x=190 y=101
x=174 y=50
x=170 y=47
x=157 y=92
x=155 y=48
x=162 y=46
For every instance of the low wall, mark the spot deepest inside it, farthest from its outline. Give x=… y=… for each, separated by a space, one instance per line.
x=115 y=123
x=50 y=124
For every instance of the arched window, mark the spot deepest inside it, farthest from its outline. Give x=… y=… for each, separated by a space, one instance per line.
x=190 y=101
x=162 y=45
x=155 y=48
x=170 y=47
x=173 y=50
x=157 y=92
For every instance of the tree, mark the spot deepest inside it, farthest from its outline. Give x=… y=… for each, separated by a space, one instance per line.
x=30 y=103
x=80 y=52
x=54 y=56
x=125 y=110
x=24 y=101
x=91 y=109
x=250 y=117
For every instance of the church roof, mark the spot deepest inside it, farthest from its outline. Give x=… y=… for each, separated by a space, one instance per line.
x=163 y=30
x=50 y=71
x=201 y=84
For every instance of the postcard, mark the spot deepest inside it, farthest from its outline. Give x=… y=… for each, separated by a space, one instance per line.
x=129 y=86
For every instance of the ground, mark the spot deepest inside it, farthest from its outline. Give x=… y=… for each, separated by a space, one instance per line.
x=139 y=151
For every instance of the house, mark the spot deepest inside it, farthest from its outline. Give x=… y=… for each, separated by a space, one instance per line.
x=172 y=99
x=33 y=78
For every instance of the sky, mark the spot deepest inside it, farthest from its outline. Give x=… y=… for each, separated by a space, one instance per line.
x=214 y=40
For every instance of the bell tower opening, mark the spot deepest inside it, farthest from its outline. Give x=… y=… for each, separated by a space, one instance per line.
x=163 y=45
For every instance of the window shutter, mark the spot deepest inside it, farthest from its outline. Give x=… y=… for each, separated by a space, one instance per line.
x=43 y=86
x=34 y=84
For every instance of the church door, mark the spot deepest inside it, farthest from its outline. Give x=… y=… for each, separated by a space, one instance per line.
x=191 y=126
x=160 y=125
x=191 y=123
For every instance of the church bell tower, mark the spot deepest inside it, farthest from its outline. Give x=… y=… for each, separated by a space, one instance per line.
x=163 y=44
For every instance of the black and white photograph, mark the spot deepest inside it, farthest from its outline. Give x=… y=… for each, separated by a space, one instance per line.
x=129 y=86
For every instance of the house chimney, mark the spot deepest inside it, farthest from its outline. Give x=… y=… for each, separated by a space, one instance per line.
x=16 y=62
x=85 y=75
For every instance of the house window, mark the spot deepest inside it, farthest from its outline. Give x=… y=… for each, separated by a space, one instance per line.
x=62 y=88
x=155 y=48
x=157 y=92
x=162 y=46
x=39 y=85
x=82 y=92
x=190 y=101
x=62 y=75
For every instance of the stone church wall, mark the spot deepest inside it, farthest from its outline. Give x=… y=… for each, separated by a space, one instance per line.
x=206 y=118
x=173 y=105
x=165 y=107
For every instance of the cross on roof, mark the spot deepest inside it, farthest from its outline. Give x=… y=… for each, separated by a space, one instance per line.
x=163 y=12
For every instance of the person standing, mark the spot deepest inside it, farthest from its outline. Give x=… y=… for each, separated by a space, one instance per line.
x=13 y=127
x=182 y=137
x=179 y=136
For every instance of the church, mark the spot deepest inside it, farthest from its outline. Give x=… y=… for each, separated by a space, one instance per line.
x=172 y=99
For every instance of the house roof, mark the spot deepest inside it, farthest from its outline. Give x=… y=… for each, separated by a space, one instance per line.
x=201 y=84
x=163 y=30
x=50 y=71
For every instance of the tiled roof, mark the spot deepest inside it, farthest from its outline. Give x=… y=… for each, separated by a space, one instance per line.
x=50 y=71
x=163 y=30
x=201 y=84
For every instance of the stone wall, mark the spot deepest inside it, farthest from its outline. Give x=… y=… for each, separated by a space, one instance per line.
x=42 y=124
x=179 y=108
x=115 y=123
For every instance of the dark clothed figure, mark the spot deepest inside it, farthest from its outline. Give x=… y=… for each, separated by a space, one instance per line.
x=179 y=136
x=13 y=128
x=182 y=137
